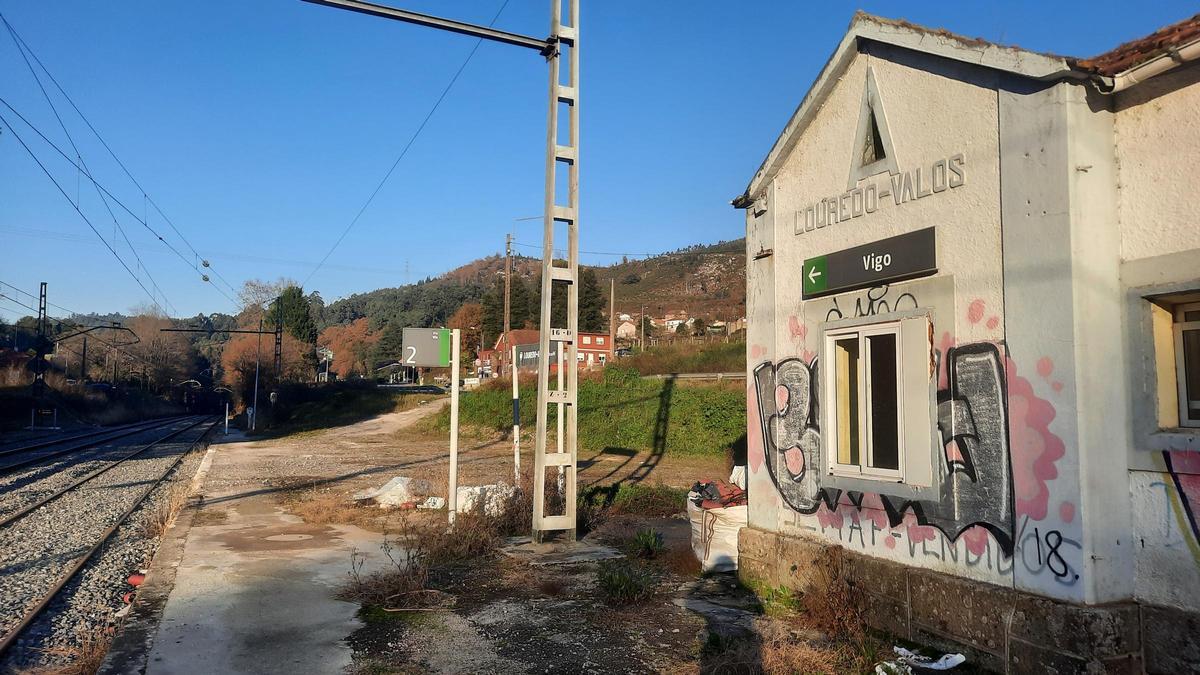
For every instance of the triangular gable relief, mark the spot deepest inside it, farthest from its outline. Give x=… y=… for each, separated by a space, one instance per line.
x=873 y=153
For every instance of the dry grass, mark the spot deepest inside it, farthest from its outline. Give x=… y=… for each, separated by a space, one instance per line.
x=82 y=659
x=158 y=518
x=777 y=647
x=680 y=560
x=325 y=506
x=832 y=605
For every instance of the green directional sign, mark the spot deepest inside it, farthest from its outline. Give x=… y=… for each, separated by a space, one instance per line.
x=906 y=256
x=816 y=276
x=426 y=347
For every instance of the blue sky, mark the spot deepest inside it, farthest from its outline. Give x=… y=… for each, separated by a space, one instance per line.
x=260 y=127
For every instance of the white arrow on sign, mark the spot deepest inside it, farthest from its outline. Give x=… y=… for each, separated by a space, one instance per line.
x=813 y=274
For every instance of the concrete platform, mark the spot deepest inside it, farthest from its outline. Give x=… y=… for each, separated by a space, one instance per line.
x=557 y=552
x=253 y=588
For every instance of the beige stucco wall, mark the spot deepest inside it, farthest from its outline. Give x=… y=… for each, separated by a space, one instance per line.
x=1157 y=143
x=1157 y=136
x=931 y=116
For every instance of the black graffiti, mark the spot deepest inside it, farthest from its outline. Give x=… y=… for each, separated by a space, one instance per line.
x=1047 y=551
x=974 y=472
x=876 y=303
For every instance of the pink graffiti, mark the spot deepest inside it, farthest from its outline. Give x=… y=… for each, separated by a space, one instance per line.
x=797 y=329
x=781 y=397
x=992 y=322
x=1184 y=469
x=975 y=310
x=794 y=459
x=1034 y=448
x=829 y=518
x=1045 y=366
x=754 y=443
x=943 y=377
x=756 y=351
x=1066 y=511
x=976 y=539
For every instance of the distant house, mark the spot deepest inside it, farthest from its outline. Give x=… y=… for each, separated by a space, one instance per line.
x=594 y=350
x=627 y=330
x=624 y=317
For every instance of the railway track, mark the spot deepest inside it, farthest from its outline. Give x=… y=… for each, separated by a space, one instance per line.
x=16 y=458
x=47 y=541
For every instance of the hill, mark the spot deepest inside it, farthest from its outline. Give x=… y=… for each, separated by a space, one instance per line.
x=703 y=280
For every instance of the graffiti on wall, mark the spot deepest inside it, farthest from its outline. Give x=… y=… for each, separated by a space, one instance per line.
x=1184 y=470
x=972 y=419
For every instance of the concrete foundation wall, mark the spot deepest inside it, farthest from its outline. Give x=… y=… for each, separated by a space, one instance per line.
x=998 y=628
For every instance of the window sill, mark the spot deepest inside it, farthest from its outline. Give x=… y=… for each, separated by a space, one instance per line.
x=892 y=487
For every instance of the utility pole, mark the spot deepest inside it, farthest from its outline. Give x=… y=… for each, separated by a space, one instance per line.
x=257 y=357
x=83 y=363
x=642 y=327
x=39 y=366
x=562 y=42
x=612 y=316
x=507 y=301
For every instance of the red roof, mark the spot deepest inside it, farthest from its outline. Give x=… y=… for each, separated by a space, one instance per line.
x=520 y=336
x=1137 y=52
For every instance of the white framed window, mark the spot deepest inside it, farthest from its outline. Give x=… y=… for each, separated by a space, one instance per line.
x=1186 y=329
x=864 y=385
x=878 y=404
x=600 y=340
x=587 y=339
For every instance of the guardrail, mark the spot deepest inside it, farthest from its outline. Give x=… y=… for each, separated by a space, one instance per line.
x=697 y=376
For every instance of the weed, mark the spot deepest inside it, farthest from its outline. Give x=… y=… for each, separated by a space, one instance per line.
x=831 y=604
x=623 y=583
x=155 y=521
x=647 y=543
x=82 y=658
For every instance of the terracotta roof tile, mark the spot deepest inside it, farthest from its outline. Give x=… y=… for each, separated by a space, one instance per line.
x=1139 y=51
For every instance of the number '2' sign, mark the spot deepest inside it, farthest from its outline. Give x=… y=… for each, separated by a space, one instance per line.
x=427 y=347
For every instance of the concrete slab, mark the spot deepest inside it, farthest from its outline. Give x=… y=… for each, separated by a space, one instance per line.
x=254 y=589
x=557 y=552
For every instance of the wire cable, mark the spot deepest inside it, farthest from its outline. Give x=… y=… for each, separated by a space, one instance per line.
x=84 y=168
x=22 y=44
x=111 y=196
x=404 y=152
x=79 y=211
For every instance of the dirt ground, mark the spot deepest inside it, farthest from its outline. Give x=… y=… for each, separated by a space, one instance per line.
x=508 y=614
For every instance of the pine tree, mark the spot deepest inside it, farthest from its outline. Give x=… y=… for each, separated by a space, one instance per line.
x=297 y=320
x=591 y=303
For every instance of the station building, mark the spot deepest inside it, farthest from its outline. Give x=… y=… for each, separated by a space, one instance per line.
x=973 y=296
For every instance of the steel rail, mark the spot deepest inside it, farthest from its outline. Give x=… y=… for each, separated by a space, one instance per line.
x=13 y=517
x=38 y=459
x=91 y=434
x=8 y=640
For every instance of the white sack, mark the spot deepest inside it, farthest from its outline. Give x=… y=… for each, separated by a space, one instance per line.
x=715 y=535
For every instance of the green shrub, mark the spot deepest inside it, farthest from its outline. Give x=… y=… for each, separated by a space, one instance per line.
x=647 y=543
x=717 y=357
x=623 y=583
x=622 y=410
x=632 y=499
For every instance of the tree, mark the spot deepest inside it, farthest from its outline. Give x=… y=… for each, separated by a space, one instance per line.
x=391 y=343
x=292 y=306
x=259 y=293
x=243 y=351
x=700 y=327
x=352 y=346
x=591 y=303
x=469 y=319
x=316 y=309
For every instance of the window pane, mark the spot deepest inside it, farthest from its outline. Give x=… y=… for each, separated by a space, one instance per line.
x=1191 y=372
x=1191 y=315
x=885 y=442
x=846 y=359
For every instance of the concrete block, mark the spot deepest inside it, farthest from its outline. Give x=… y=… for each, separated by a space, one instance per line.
x=1025 y=657
x=1093 y=633
x=1171 y=640
x=977 y=659
x=969 y=611
x=884 y=613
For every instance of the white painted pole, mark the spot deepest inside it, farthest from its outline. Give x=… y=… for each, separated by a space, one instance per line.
x=516 y=420
x=452 y=497
x=562 y=470
x=226 y=418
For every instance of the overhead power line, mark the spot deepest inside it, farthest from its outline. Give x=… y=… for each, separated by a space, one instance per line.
x=105 y=191
x=638 y=255
x=79 y=211
x=407 y=146
x=24 y=47
x=83 y=165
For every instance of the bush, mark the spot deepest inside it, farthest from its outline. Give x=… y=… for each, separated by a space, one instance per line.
x=622 y=583
x=647 y=543
x=714 y=357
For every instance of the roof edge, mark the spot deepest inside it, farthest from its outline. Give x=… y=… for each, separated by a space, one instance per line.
x=900 y=33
